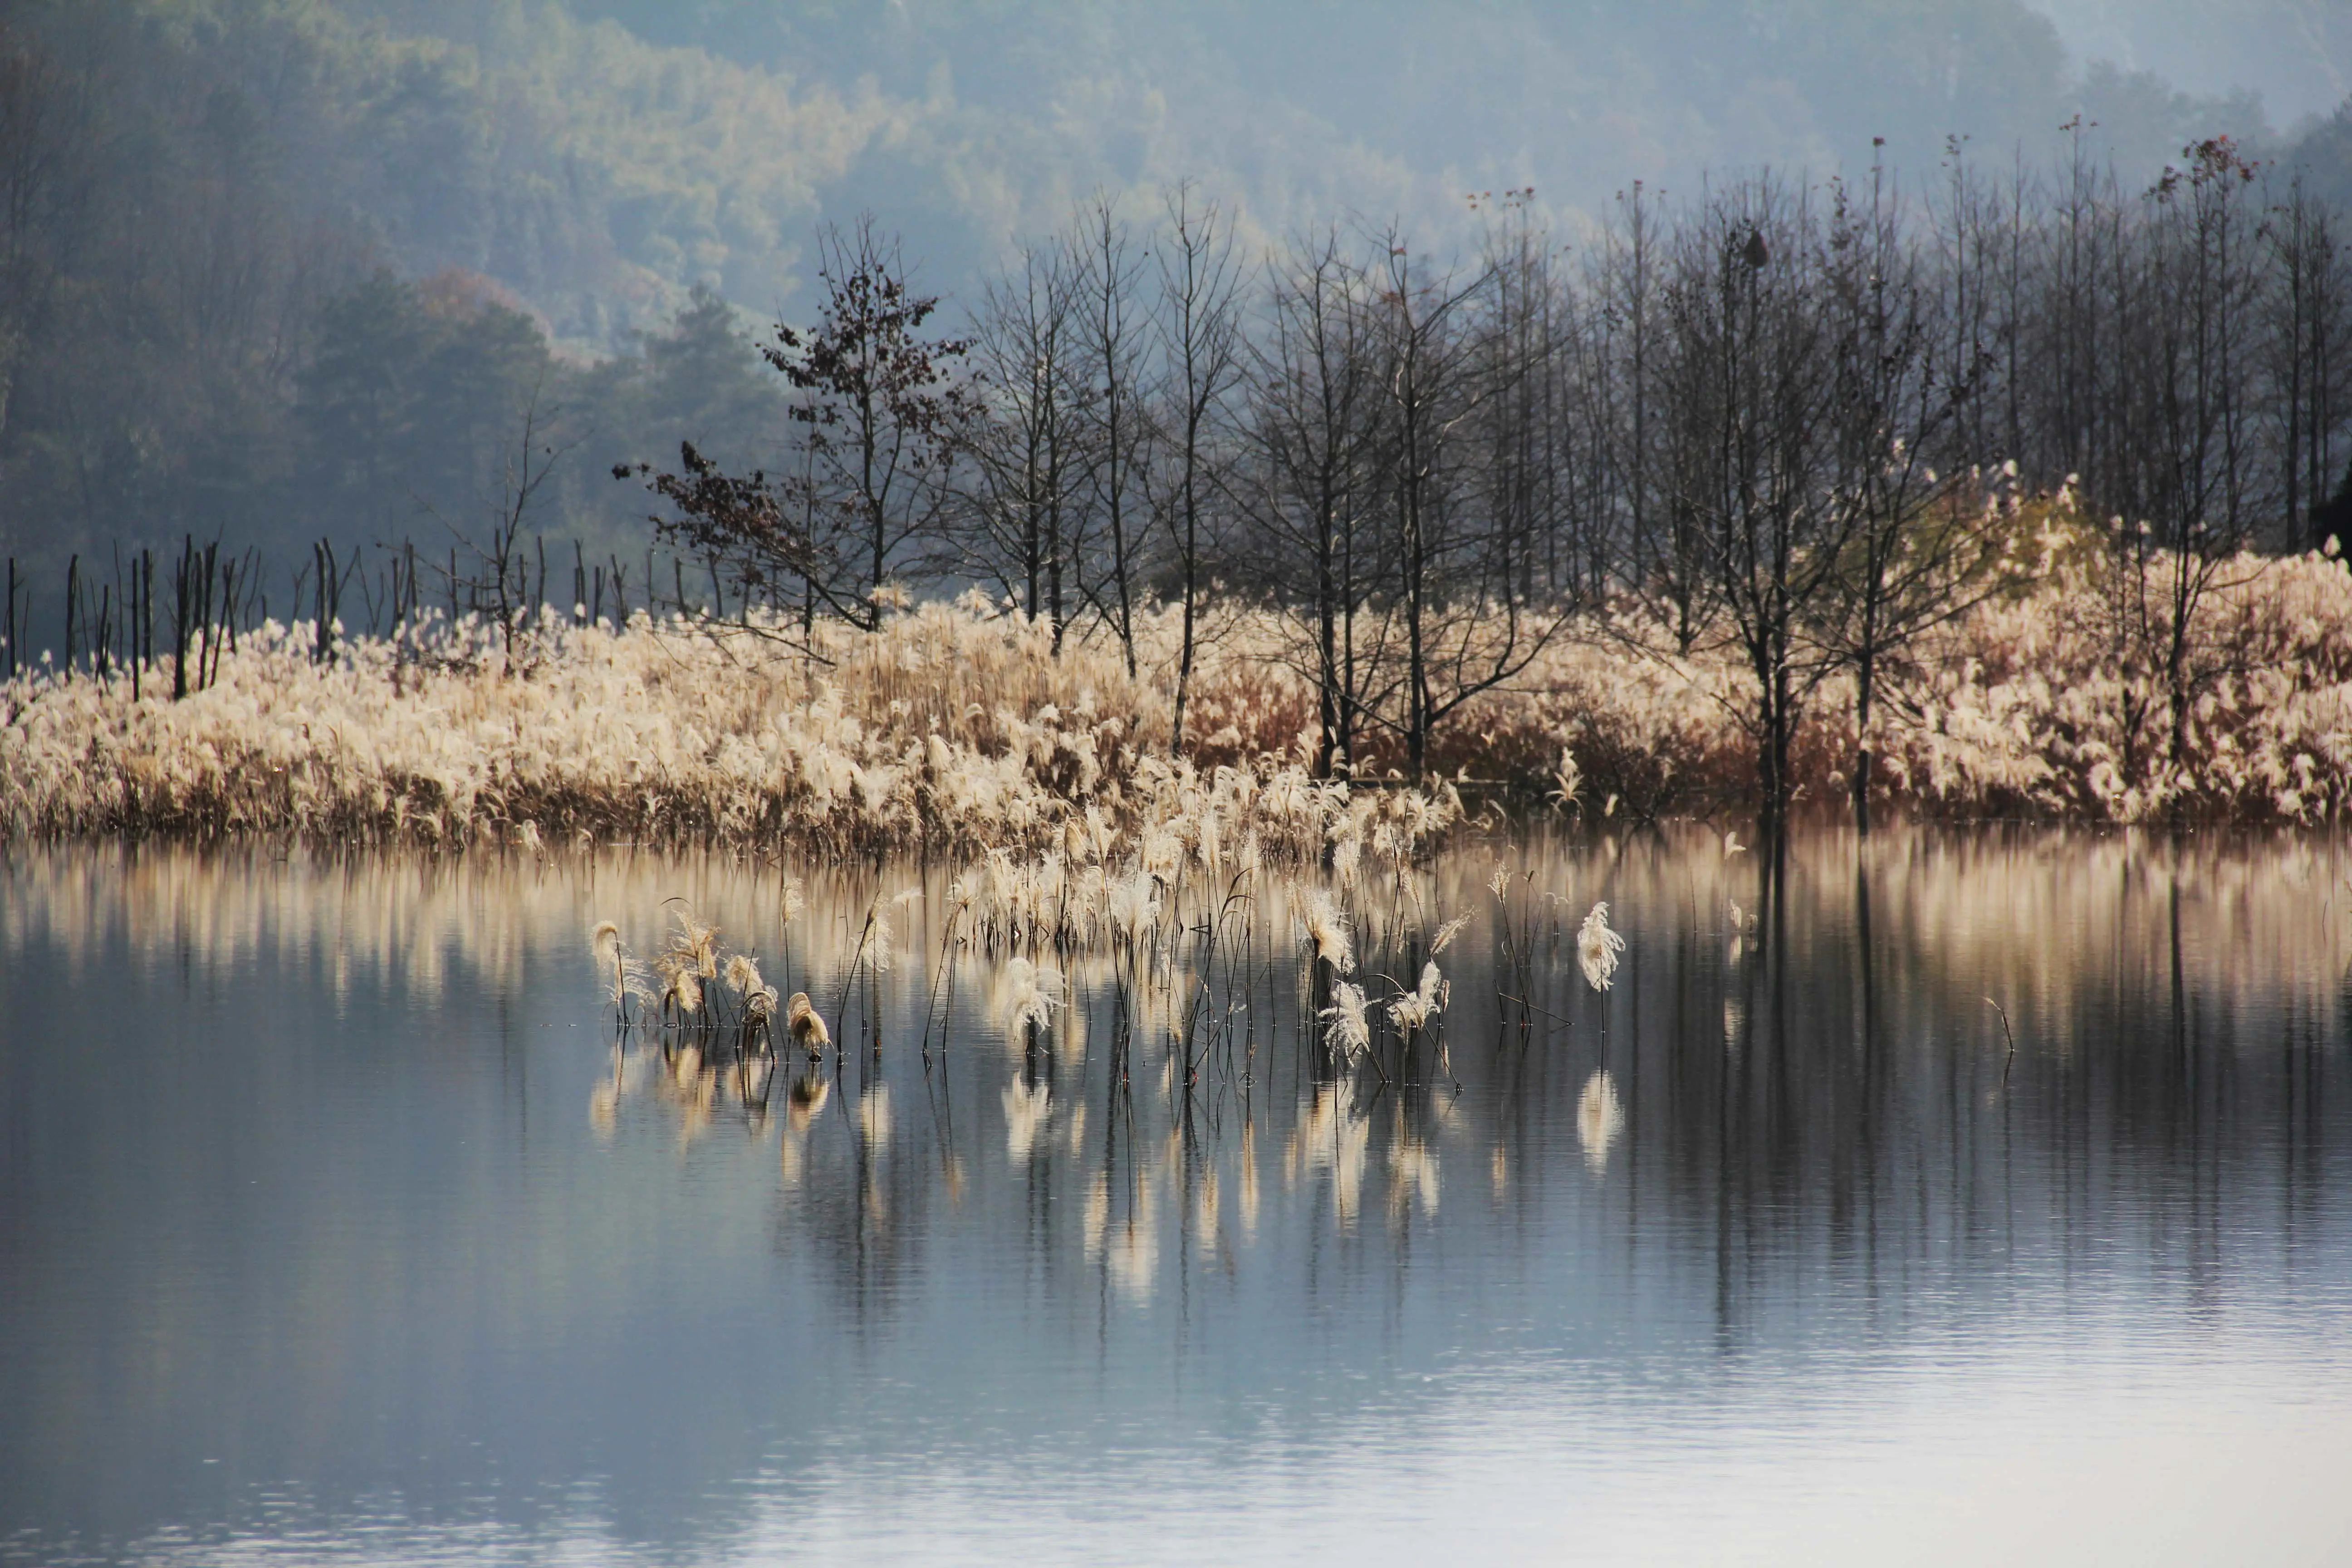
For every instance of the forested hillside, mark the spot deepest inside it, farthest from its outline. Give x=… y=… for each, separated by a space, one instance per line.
x=278 y=270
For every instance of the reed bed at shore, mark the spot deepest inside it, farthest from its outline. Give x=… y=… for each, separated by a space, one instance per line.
x=957 y=729
x=2048 y=702
x=953 y=730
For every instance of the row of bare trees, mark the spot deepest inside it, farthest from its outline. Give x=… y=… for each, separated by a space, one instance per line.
x=1774 y=419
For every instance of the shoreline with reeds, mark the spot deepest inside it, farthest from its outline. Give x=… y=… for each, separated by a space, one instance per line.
x=956 y=730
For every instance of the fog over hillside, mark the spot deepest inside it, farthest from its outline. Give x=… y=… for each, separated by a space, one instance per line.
x=2297 y=54
x=965 y=125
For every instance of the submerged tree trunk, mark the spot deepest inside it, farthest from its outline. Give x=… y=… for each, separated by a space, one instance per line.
x=1866 y=673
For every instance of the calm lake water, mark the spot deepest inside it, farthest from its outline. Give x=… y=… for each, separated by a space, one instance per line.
x=337 y=1225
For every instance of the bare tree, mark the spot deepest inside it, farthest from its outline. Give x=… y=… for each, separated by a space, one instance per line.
x=762 y=527
x=530 y=463
x=2202 y=475
x=1024 y=441
x=1527 y=467
x=1313 y=388
x=1115 y=435
x=2307 y=302
x=1758 y=375
x=883 y=413
x=1427 y=396
x=1469 y=624
x=1200 y=362
x=1919 y=551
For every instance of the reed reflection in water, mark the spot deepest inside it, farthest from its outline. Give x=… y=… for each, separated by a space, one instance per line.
x=341 y=1215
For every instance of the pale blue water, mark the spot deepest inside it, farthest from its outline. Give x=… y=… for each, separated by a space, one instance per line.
x=324 y=1236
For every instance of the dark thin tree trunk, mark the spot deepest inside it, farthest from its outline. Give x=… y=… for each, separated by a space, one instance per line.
x=182 y=590
x=1864 y=677
x=1327 y=632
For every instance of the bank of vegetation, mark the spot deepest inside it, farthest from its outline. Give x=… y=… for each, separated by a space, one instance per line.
x=2011 y=496
x=961 y=726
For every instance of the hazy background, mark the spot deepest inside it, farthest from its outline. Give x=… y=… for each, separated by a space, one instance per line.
x=274 y=268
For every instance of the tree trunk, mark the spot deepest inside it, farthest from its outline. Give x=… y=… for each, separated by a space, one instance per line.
x=1327 y=661
x=1184 y=661
x=1865 y=671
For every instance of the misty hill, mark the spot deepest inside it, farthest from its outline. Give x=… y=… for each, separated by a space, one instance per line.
x=601 y=157
x=2299 y=51
x=248 y=239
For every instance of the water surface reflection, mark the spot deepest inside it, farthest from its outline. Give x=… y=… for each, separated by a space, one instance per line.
x=337 y=1219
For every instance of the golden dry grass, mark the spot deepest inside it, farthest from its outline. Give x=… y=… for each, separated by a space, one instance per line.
x=957 y=729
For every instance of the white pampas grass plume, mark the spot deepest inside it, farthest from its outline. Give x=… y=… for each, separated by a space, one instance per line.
x=1598 y=1119
x=1346 y=1033
x=1414 y=1009
x=742 y=974
x=1164 y=851
x=1347 y=858
x=680 y=984
x=1446 y=933
x=1134 y=906
x=1026 y=995
x=808 y=1030
x=1597 y=948
x=1567 y=781
x=605 y=943
x=696 y=944
x=1326 y=927
x=1207 y=843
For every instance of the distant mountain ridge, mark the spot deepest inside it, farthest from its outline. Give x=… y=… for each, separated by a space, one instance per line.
x=600 y=157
